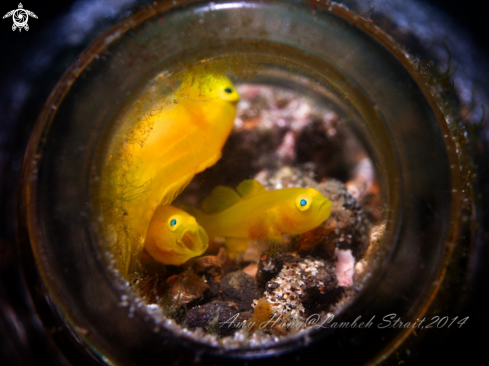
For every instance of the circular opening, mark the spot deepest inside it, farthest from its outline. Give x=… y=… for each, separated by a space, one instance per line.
x=136 y=244
x=289 y=131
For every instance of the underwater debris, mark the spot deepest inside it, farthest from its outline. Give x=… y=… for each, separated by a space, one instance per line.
x=211 y=268
x=345 y=267
x=175 y=290
x=347 y=227
x=211 y=316
x=151 y=286
x=319 y=242
x=262 y=313
x=302 y=287
x=271 y=264
x=239 y=288
x=185 y=288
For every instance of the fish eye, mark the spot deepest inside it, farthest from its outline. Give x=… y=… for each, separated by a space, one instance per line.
x=303 y=203
x=228 y=93
x=173 y=222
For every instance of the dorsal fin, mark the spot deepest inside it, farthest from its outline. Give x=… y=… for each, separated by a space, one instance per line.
x=250 y=187
x=220 y=198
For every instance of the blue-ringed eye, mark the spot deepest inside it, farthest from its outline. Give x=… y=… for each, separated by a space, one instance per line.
x=173 y=222
x=228 y=90
x=303 y=202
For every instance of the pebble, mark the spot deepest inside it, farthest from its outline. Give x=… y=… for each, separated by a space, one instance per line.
x=211 y=316
x=239 y=288
x=210 y=268
x=185 y=288
x=303 y=286
x=271 y=264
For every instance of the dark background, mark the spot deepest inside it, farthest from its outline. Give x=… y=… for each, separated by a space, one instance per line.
x=30 y=64
x=470 y=15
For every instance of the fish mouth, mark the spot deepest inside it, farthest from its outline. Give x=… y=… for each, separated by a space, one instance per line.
x=194 y=238
x=325 y=208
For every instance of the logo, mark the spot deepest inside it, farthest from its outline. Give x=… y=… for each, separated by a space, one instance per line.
x=20 y=17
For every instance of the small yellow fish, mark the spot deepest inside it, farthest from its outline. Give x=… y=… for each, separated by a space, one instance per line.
x=257 y=214
x=174 y=236
x=184 y=138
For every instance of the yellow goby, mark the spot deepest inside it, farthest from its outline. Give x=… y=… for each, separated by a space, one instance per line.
x=174 y=236
x=186 y=137
x=252 y=212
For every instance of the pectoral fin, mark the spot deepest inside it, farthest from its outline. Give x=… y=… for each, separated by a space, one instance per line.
x=279 y=243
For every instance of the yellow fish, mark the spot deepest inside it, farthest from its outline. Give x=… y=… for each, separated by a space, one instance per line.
x=185 y=138
x=174 y=236
x=252 y=212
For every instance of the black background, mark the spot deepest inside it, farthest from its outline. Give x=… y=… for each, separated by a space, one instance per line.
x=469 y=14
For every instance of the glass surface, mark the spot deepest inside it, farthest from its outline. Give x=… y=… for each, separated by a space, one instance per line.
x=357 y=73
